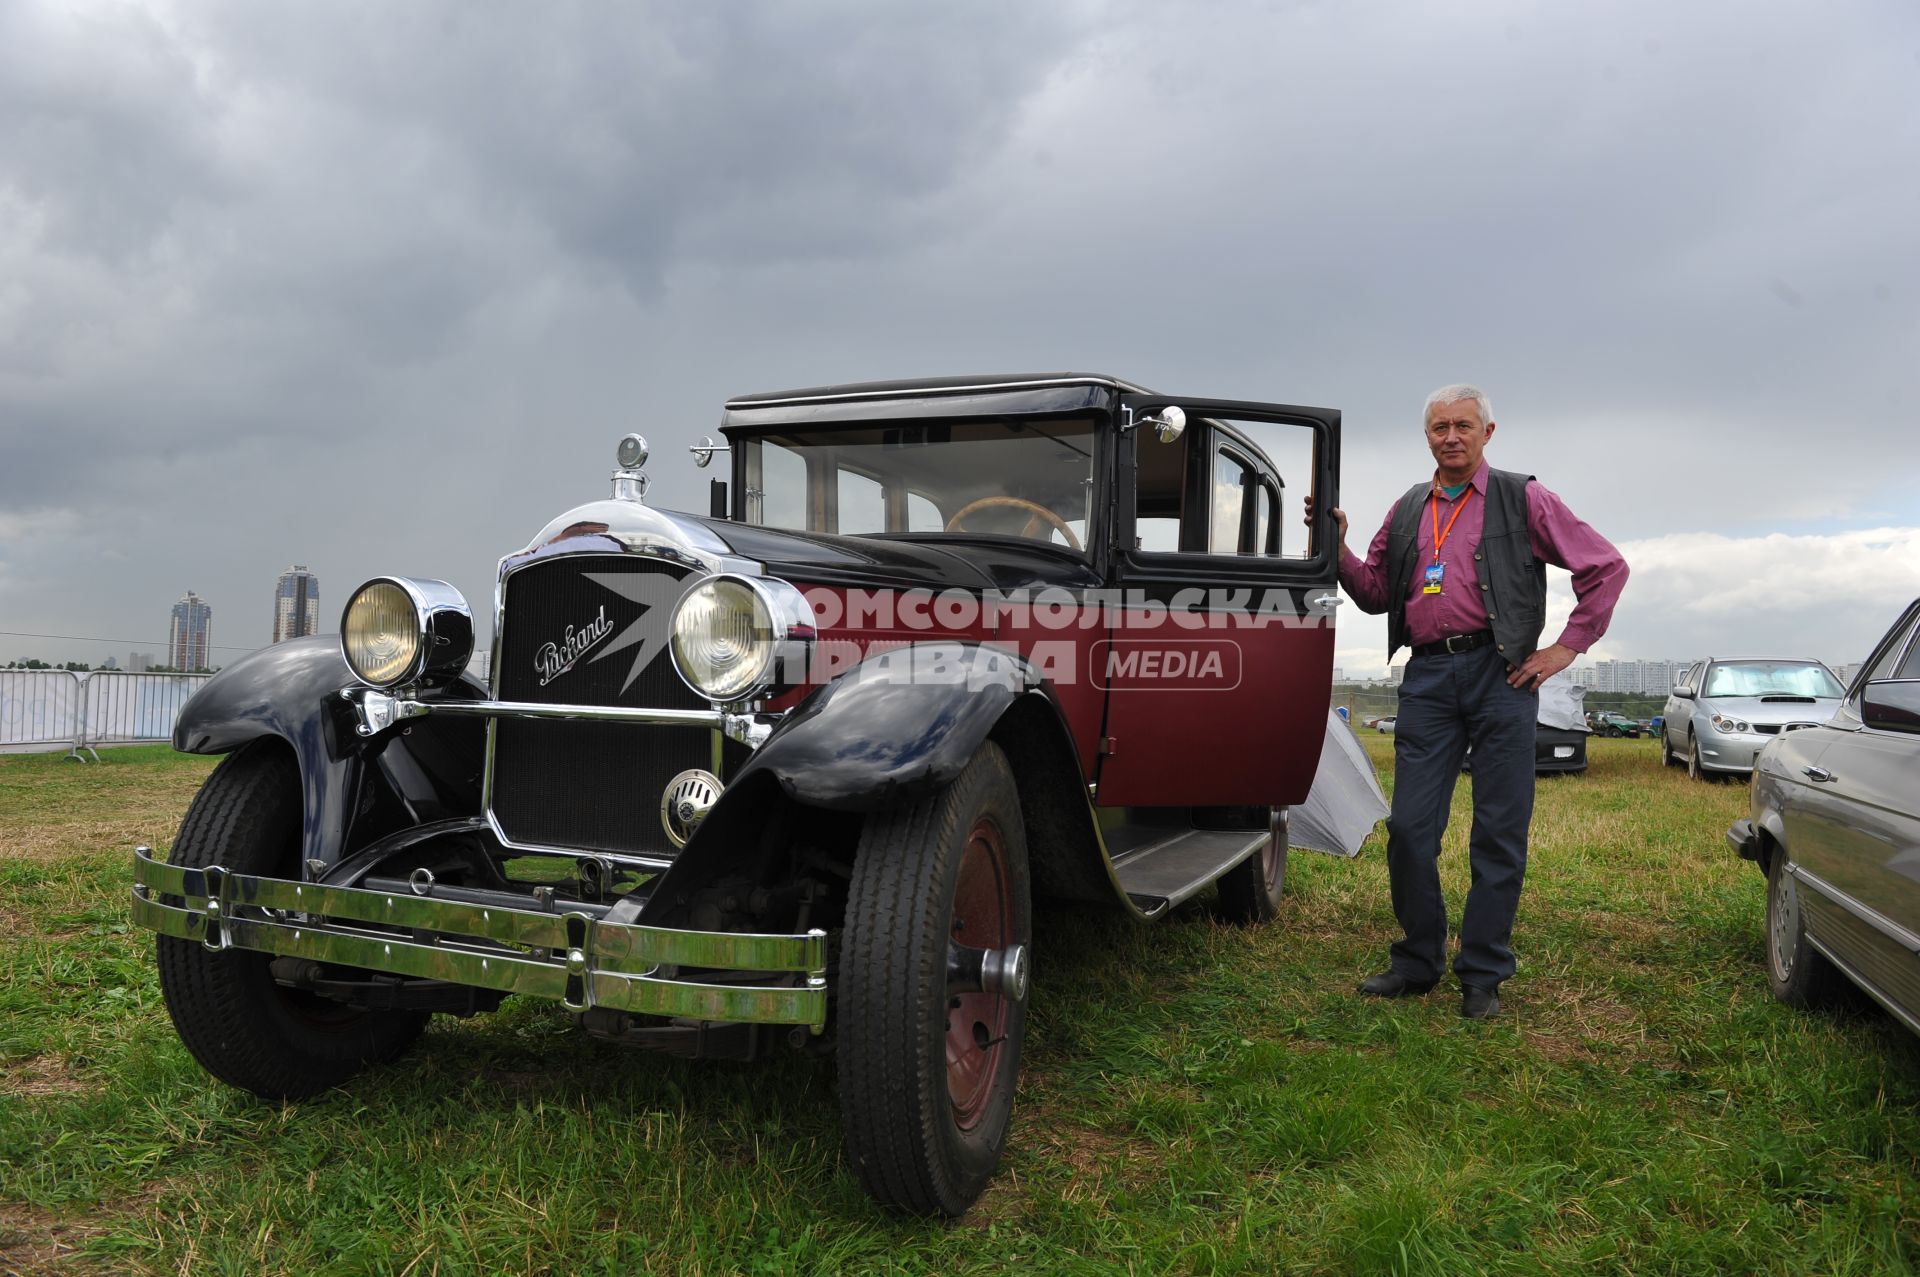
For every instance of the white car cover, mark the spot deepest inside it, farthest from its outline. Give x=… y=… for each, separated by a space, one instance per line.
x=1562 y=704
x=1345 y=801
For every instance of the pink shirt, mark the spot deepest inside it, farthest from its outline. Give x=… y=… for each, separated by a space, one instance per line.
x=1556 y=535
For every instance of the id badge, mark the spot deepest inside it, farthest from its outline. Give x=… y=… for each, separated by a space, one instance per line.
x=1436 y=572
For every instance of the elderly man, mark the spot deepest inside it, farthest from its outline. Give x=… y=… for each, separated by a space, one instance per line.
x=1459 y=567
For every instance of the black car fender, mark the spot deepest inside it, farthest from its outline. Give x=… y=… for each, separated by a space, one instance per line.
x=353 y=788
x=901 y=725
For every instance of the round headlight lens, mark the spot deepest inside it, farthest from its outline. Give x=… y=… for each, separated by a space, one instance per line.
x=380 y=633
x=723 y=639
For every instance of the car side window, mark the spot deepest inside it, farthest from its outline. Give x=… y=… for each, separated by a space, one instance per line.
x=923 y=515
x=777 y=488
x=859 y=505
x=1160 y=484
x=1265 y=529
x=1230 y=498
x=1241 y=491
x=1884 y=668
x=1910 y=667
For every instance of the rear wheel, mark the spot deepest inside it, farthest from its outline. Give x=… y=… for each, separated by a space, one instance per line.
x=1667 y=757
x=1251 y=891
x=1800 y=974
x=933 y=981
x=241 y=1025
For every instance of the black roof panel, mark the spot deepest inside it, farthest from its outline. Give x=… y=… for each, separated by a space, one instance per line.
x=930 y=385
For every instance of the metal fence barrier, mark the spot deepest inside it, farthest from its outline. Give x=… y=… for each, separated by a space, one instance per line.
x=121 y=708
x=41 y=707
x=81 y=711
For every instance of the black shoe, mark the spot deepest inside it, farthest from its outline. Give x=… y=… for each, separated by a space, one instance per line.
x=1391 y=984
x=1478 y=1004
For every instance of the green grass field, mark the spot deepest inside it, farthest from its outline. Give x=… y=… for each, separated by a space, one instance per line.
x=1197 y=1098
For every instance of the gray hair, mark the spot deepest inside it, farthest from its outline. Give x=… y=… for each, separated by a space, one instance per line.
x=1458 y=391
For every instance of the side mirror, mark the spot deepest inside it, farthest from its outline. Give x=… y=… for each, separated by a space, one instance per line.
x=1684 y=692
x=704 y=450
x=1168 y=424
x=1891 y=706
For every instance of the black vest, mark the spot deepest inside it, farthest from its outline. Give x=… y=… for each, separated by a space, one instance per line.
x=1513 y=581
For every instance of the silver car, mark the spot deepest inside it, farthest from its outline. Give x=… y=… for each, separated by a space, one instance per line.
x=1835 y=826
x=1723 y=711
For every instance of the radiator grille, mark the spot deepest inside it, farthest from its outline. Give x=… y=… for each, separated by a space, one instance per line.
x=592 y=786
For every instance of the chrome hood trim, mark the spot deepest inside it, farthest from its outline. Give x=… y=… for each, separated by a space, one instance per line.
x=615 y=526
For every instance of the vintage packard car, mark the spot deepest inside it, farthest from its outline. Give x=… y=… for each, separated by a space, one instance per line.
x=792 y=771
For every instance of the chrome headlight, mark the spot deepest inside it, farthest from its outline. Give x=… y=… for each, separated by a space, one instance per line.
x=730 y=634
x=397 y=630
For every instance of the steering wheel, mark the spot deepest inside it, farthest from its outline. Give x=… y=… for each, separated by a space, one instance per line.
x=1041 y=516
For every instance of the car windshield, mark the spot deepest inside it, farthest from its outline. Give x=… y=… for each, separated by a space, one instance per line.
x=1014 y=477
x=1771 y=678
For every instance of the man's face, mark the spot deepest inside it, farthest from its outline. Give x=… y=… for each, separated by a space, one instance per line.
x=1457 y=436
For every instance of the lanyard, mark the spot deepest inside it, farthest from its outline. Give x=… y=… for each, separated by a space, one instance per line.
x=1433 y=508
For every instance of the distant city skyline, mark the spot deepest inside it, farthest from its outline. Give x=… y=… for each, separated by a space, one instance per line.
x=190 y=635
x=296 y=604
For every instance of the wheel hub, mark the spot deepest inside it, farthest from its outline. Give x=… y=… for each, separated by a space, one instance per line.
x=1786 y=923
x=987 y=973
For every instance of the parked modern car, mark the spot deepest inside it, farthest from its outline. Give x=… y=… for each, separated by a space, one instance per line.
x=1835 y=826
x=792 y=771
x=1607 y=723
x=1723 y=711
x=1386 y=723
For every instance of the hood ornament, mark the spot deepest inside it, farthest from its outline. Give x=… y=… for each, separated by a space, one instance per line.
x=629 y=484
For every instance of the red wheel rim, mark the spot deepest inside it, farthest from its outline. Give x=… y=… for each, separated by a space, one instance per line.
x=977 y=1022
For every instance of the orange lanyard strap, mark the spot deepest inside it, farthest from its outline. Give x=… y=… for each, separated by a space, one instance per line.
x=1433 y=508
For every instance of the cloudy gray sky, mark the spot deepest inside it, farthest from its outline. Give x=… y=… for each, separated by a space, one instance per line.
x=376 y=287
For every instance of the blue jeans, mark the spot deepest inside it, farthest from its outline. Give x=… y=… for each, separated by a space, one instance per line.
x=1446 y=703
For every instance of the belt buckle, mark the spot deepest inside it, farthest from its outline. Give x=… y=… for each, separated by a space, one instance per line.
x=1448 y=642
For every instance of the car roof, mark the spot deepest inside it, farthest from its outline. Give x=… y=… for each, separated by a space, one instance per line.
x=915 y=386
x=974 y=395
x=1770 y=660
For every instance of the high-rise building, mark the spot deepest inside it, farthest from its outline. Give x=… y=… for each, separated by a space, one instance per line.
x=190 y=641
x=296 y=604
x=138 y=662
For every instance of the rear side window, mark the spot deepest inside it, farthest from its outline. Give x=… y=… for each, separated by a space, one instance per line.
x=1910 y=668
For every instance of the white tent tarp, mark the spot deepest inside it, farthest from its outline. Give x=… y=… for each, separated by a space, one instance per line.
x=1346 y=800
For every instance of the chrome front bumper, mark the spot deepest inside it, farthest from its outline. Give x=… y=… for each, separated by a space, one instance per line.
x=571 y=958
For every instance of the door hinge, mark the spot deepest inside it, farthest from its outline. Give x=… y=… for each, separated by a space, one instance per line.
x=1109 y=745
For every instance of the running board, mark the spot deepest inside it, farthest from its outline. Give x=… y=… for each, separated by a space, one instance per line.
x=1159 y=867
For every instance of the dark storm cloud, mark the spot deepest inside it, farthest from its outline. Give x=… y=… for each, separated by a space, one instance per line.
x=324 y=197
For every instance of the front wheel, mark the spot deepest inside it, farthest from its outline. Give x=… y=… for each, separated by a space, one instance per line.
x=1800 y=974
x=933 y=984
x=1251 y=891
x=1694 y=770
x=234 y=1018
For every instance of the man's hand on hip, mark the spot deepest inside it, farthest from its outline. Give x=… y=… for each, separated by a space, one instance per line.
x=1541 y=666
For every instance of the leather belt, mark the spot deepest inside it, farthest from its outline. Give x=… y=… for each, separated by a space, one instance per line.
x=1454 y=643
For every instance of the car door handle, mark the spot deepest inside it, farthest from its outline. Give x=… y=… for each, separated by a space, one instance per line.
x=1325 y=603
x=1817 y=774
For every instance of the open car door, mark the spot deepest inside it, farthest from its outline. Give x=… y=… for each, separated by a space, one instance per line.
x=1218 y=663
